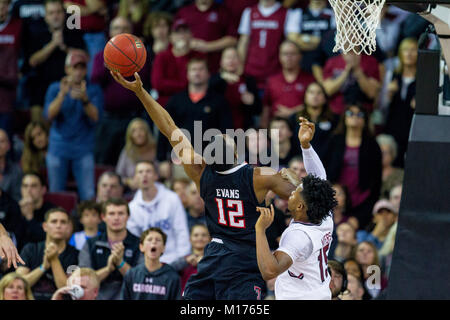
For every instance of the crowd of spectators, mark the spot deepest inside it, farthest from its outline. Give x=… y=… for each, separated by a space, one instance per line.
x=231 y=65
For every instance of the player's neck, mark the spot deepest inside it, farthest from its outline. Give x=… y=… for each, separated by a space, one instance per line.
x=300 y=217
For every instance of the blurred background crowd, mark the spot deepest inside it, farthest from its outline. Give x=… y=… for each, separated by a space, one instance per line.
x=72 y=138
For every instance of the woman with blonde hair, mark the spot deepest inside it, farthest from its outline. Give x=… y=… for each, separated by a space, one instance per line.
x=14 y=287
x=139 y=145
x=35 y=147
x=400 y=98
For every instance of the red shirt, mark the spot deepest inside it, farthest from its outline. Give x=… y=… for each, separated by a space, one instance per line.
x=335 y=66
x=9 y=54
x=210 y=25
x=93 y=22
x=233 y=94
x=236 y=8
x=169 y=73
x=266 y=35
x=350 y=176
x=288 y=94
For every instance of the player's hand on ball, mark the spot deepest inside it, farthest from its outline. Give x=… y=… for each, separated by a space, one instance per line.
x=135 y=86
x=306 y=132
x=265 y=218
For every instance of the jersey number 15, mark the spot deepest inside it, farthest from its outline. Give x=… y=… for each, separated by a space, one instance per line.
x=234 y=210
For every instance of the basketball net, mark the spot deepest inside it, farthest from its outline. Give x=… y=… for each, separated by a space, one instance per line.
x=356 y=23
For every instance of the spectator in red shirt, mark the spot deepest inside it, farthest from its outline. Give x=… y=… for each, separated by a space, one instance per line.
x=120 y=105
x=240 y=91
x=235 y=8
x=170 y=66
x=350 y=78
x=9 y=54
x=285 y=91
x=261 y=30
x=211 y=29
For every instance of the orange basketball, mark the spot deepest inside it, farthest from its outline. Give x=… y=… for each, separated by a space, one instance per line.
x=125 y=53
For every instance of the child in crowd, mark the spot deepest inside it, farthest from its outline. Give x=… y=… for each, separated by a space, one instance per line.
x=151 y=280
x=89 y=214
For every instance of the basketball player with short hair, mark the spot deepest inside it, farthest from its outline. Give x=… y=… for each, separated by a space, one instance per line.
x=300 y=262
x=231 y=193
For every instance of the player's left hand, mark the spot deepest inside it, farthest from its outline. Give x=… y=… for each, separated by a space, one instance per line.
x=265 y=218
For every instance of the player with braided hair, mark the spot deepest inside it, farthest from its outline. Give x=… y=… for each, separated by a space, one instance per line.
x=300 y=263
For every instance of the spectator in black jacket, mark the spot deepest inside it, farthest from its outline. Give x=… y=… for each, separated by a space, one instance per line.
x=33 y=208
x=113 y=252
x=197 y=103
x=354 y=160
x=47 y=262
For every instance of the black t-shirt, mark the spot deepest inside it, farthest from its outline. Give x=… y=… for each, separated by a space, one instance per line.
x=33 y=254
x=32 y=231
x=51 y=69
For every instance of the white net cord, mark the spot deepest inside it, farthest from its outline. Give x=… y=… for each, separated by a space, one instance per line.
x=356 y=23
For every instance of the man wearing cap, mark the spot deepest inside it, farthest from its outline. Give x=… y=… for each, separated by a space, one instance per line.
x=74 y=107
x=169 y=71
x=384 y=217
x=45 y=49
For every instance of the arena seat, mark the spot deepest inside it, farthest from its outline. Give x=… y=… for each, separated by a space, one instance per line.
x=65 y=199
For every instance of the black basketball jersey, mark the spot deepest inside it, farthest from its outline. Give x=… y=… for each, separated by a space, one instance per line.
x=230 y=205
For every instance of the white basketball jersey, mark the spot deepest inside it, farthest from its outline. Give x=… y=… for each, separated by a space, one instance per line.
x=307 y=278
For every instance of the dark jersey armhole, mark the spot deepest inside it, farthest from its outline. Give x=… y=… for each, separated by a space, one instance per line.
x=252 y=186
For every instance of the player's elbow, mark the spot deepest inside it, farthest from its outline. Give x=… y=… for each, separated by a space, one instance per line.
x=269 y=275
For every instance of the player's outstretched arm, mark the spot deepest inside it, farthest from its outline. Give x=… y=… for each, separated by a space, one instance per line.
x=193 y=163
x=270 y=265
x=313 y=164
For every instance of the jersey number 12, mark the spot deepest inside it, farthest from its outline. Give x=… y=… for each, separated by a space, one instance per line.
x=234 y=210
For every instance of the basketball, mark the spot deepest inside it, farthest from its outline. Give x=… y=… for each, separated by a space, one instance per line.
x=125 y=53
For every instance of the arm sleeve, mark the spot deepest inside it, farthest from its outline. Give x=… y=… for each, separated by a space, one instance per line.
x=50 y=95
x=313 y=164
x=244 y=25
x=296 y=244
